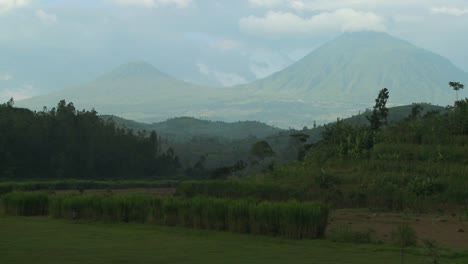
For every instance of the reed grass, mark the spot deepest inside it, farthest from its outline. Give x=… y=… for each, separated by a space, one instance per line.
x=292 y=219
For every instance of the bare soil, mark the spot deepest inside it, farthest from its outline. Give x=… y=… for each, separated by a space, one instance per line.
x=449 y=230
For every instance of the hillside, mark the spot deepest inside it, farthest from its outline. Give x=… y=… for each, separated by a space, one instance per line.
x=355 y=66
x=188 y=127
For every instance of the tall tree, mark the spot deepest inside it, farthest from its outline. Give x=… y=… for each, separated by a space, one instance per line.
x=380 y=111
x=456 y=86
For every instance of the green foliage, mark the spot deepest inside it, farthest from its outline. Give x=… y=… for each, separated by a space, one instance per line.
x=45 y=240
x=261 y=150
x=456 y=86
x=431 y=251
x=290 y=219
x=238 y=189
x=344 y=234
x=6 y=187
x=66 y=143
x=24 y=203
x=416 y=111
x=404 y=236
x=325 y=180
x=379 y=114
x=342 y=140
x=185 y=128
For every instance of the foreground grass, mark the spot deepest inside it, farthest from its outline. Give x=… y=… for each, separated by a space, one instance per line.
x=44 y=240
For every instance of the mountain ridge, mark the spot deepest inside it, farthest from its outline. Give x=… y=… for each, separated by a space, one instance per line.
x=342 y=76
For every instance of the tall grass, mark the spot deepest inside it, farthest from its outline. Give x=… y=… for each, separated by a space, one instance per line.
x=25 y=203
x=290 y=219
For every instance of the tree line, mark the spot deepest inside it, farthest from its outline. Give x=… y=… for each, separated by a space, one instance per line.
x=67 y=143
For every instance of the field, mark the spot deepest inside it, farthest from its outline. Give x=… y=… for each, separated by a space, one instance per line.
x=449 y=230
x=44 y=240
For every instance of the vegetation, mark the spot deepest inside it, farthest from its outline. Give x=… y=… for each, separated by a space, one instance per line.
x=239 y=189
x=70 y=242
x=81 y=185
x=25 y=203
x=380 y=111
x=290 y=219
x=344 y=234
x=404 y=236
x=63 y=143
x=412 y=164
x=456 y=86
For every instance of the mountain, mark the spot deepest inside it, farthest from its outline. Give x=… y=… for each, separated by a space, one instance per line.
x=184 y=128
x=136 y=91
x=338 y=79
x=352 y=69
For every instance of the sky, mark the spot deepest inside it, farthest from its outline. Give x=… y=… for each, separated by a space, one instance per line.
x=47 y=45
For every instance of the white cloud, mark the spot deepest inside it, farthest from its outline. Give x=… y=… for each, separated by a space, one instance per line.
x=224 y=78
x=279 y=23
x=452 y=11
x=7 y=5
x=5 y=77
x=328 y=5
x=154 y=3
x=17 y=94
x=45 y=18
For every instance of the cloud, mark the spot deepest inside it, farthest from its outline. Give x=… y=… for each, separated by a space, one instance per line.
x=224 y=78
x=5 y=77
x=266 y=3
x=24 y=92
x=7 y=5
x=45 y=18
x=279 y=23
x=329 y=5
x=154 y=3
x=452 y=11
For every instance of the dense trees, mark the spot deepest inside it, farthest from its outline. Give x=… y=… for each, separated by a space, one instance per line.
x=66 y=143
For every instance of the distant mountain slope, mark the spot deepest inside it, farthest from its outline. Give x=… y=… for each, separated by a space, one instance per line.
x=188 y=127
x=136 y=91
x=336 y=80
x=352 y=69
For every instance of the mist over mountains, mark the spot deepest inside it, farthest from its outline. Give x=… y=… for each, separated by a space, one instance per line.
x=338 y=79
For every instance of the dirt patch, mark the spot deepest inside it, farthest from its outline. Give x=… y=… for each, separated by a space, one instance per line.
x=448 y=230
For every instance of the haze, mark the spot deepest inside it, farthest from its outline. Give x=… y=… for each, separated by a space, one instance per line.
x=46 y=46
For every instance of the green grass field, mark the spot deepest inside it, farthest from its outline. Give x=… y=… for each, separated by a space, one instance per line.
x=44 y=240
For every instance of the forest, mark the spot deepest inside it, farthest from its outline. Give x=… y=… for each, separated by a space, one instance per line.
x=65 y=143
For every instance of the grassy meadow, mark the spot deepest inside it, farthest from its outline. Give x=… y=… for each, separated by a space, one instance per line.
x=45 y=240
